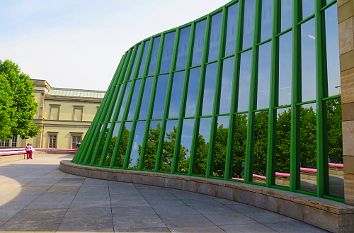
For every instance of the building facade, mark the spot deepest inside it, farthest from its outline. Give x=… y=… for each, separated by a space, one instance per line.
x=249 y=93
x=64 y=116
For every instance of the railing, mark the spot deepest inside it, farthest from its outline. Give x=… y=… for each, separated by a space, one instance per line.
x=18 y=151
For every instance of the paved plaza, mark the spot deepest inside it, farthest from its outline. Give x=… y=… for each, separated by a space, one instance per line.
x=36 y=197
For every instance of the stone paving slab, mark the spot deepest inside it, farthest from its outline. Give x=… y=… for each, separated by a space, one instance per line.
x=36 y=197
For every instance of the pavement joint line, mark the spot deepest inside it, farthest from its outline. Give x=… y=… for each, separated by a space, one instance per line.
x=110 y=206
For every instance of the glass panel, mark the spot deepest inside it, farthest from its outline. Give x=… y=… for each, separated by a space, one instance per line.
x=231 y=29
x=123 y=143
x=185 y=146
x=143 y=59
x=215 y=34
x=151 y=145
x=245 y=81
x=308 y=8
x=202 y=144
x=136 y=145
x=239 y=142
x=267 y=22
x=101 y=144
x=226 y=85
x=282 y=147
x=248 y=24
x=116 y=100
x=169 y=145
x=167 y=52
x=112 y=142
x=183 y=48
x=146 y=99
x=160 y=96
x=124 y=103
x=132 y=73
x=220 y=147
x=192 y=95
x=198 y=45
x=176 y=94
x=308 y=169
x=209 y=89
x=134 y=100
x=333 y=68
x=286 y=14
x=308 y=55
x=285 y=68
x=154 y=53
x=264 y=65
x=260 y=141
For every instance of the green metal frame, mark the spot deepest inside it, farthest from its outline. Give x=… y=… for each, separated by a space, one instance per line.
x=97 y=140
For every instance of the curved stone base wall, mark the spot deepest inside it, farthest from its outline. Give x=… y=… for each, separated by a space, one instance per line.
x=326 y=214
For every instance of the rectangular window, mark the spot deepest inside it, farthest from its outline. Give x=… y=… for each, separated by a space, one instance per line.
x=248 y=24
x=192 y=95
x=231 y=30
x=4 y=143
x=14 y=141
x=75 y=141
x=134 y=100
x=209 y=89
x=226 y=85
x=154 y=54
x=198 y=45
x=176 y=94
x=54 y=112
x=160 y=96
x=167 y=52
x=215 y=35
x=52 y=141
x=143 y=59
x=132 y=73
x=77 y=113
x=183 y=48
x=245 y=81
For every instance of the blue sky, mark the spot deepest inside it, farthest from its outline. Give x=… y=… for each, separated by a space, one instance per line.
x=78 y=43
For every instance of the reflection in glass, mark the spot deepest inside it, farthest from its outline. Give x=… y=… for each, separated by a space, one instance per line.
x=335 y=147
x=134 y=100
x=239 y=142
x=308 y=55
x=286 y=14
x=154 y=53
x=183 y=48
x=124 y=103
x=226 y=85
x=282 y=147
x=308 y=8
x=215 y=34
x=231 y=29
x=176 y=94
x=169 y=143
x=198 y=45
x=332 y=50
x=192 y=94
x=248 y=24
x=209 y=89
x=143 y=59
x=202 y=144
x=146 y=99
x=260 y=140
x=266 y=22
x=113 y=139
x=220 y=146
x=103 y=131
x=185 y=146
x=308 y=169
x=137 y=145
x=116 y=98
x=132 y=73
x=151 y=145
x=285 y=68
x=160 y=96
x=244 y=81
x=123 y=143
x=264 y=65
x=167 y=52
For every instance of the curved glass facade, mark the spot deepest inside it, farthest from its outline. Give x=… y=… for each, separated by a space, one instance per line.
x=249 y=93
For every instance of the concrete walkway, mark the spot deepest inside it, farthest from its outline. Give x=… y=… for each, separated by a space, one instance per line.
x=36 y=197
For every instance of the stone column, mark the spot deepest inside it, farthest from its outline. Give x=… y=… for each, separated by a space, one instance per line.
x=346 y=50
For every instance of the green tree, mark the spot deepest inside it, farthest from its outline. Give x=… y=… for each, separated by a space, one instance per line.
x=239 y=144
x=151 y=147
x=220 y=150
x=334 y=133
x=20 y=88
x=260 y=141
x=282 y=148
x=122 y=147
x=201 y=155
x=307 y=137
x=6 y=109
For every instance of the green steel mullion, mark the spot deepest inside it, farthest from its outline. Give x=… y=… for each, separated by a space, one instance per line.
x=99 y=114
x=102 y=133
x=89 y=132
x=216 y=106
x=140 y=98
x=296 y=80
x=273 y=101
x=184 y=99
x=235 y=92
x=152 y=100
x=321 y=82
x=119 y=105
x=253 y=94
x=167 y=103
x=200 y=95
